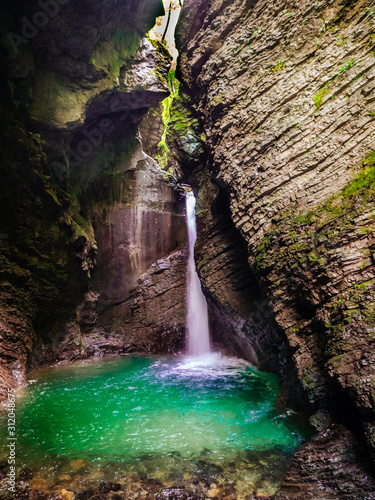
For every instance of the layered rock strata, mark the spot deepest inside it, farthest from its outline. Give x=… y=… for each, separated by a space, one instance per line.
x=285 y=94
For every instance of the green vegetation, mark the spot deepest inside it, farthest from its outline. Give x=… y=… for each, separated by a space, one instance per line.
x=182 y=129
x=298 y=248
x=346 y=66
x=163 y=153
x=318 y=99
x=324 y=25
x=364 y=184
x=233 y=51
x=278 y=67
x=218 y=99
x=110 y=55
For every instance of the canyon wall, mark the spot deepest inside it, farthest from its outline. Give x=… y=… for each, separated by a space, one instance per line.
x=284 y=92
x=91 y=234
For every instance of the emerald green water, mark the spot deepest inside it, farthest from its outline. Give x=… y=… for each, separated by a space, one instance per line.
x=169 y=418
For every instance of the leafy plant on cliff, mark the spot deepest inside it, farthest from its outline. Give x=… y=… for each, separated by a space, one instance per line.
x=364 y=184
x=278 y=67
x=346 y=66
x=163 y=154
x=318 y=99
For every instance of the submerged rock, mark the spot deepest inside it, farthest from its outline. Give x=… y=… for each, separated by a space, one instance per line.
x=66 y=494
x=327 y=467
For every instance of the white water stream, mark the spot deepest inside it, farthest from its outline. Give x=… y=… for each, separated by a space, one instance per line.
x=197 y=314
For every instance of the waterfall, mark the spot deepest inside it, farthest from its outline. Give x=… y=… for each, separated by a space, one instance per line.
x=197 y=314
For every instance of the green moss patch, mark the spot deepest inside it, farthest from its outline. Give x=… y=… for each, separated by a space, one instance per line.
x=163 y=154
x=279 y=66
x=298 y=248
x=318 y=99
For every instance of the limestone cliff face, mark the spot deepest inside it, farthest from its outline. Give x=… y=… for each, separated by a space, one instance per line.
x=285 y=94
x=88 y=223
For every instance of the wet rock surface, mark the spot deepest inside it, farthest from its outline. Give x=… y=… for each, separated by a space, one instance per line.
x=155 y=311
x=241 y=318
x=330 y=463
x=136 y=291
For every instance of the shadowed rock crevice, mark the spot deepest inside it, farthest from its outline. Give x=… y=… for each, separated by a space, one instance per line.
x=241 y=319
